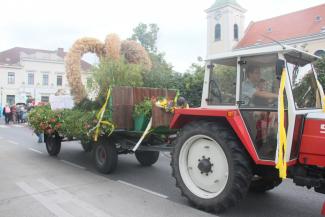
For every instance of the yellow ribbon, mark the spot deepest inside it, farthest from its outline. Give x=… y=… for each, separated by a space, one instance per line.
x=282 y=135
x=320 y=90
x=100 y=116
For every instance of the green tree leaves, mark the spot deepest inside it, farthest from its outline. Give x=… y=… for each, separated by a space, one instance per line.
x=320 y=69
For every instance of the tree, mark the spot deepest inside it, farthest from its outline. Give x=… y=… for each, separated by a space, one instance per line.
x=111 y=72
x=146 y=35
x=320 y=69
x=162 y=74
x=190 y=84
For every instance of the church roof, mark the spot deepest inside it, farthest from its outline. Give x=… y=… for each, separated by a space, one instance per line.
x=221 y=3
x=299 y=24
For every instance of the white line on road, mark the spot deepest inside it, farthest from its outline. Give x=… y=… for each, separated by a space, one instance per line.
x=17 y=125
x=72 y=164
x=63 y=195
x=53 y=207
x=34 y=150
x=3 y=126
x=142 y=189
x=166 y=155
x=13 y=142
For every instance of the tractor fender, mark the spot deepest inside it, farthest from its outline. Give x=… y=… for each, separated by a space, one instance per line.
x=229 y=116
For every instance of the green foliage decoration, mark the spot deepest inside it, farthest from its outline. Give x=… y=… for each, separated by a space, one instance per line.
x=143 y=108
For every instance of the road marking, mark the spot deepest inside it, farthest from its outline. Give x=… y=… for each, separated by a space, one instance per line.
x=17 y=125
x=72 y=164
x=3 y=126
x=142 y=189
x=53 y=207
x=34 y=150
x=166 y=155
x=13 y=142
x=63 y=195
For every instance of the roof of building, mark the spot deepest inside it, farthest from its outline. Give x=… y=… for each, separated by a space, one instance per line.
x=12 y=56
x=222 y=3
x=307 y=22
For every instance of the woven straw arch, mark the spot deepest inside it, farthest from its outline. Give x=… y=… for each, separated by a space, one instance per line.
x=112 y=48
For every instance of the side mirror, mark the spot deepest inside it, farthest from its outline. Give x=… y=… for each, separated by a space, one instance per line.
x=280 y=64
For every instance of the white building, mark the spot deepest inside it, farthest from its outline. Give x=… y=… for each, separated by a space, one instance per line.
x=31 y=72
x=304 y=29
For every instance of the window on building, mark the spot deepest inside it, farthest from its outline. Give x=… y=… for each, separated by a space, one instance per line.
x=30 y=78
x=59 y=80
x=45 y=80
x=10 y=99
x=45 y=98
x=11 y=78
x=236 y=32
x=217 y=32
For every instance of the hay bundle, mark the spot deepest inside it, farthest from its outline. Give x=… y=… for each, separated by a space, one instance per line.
x=135 y=53
x=113 y=48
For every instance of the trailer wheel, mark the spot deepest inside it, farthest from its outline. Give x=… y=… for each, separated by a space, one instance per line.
x=147 y=158
x=210 y=165
x=53 y=144
x=86 y=146
x=105 y=155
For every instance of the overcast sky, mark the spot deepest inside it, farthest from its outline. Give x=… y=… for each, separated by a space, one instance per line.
x=48 y=24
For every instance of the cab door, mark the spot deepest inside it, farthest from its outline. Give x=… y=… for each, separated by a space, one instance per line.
x=258 y=97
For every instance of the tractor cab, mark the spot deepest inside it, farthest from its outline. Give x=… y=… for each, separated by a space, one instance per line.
x=249 y=81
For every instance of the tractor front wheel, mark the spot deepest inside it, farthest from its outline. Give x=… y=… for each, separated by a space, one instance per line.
x=210 y=165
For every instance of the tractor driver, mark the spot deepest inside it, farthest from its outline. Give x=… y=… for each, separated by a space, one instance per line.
x=250 y=90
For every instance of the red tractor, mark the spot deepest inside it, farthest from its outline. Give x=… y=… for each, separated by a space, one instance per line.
x=230 y=144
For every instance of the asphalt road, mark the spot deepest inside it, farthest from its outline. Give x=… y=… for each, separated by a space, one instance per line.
x=34 y=184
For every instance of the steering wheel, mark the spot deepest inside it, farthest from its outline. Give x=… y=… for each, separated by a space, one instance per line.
x=214 y=89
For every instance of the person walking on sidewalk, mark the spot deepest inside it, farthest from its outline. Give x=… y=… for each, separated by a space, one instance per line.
x=6 y=112
x=14 y=114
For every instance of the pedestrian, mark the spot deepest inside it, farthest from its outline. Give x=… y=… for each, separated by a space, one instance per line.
x=40 y=137
x=18 y=114
x=6 y=112
x=14 y=114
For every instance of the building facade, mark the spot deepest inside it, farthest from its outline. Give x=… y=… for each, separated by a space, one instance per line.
x=31 y=72
x=303 y=29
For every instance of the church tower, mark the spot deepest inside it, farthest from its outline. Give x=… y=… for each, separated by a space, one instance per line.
x=225 y=26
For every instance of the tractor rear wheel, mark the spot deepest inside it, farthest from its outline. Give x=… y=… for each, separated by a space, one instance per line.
x=210 y=165
x=147 y=158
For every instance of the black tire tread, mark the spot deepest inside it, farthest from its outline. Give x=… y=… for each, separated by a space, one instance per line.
x=56 y=147
x=242 y=168
x=147 y=158
x=112 y=156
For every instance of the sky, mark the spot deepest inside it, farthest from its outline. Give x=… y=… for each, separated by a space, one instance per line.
x=48 y=24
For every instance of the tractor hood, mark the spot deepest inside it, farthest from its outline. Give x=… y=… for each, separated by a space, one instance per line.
x=312 y=151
